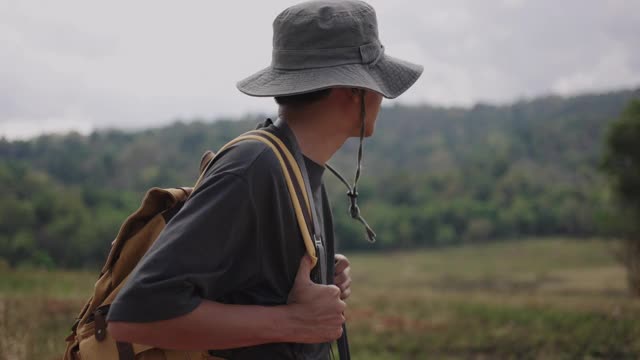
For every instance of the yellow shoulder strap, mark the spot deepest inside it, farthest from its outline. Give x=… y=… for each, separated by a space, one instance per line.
x=308 y=242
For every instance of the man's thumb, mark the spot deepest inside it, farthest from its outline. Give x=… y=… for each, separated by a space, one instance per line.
x=304 y=271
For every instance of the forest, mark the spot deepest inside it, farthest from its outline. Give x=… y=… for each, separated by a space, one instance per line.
x=432 y=177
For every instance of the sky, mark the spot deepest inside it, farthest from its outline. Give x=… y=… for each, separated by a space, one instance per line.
x=83 y=65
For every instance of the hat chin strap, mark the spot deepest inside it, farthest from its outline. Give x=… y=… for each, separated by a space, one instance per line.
x=352 y=193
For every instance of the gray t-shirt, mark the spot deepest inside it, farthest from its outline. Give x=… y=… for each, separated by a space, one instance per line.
x=235 y=241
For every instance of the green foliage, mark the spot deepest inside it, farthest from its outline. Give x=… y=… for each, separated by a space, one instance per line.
x=622 y=156
x=432 y=177
x=45 y=224
x=621 y=162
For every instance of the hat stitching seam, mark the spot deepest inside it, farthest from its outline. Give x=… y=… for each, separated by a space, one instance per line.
x=338 y=48
x=340 y=14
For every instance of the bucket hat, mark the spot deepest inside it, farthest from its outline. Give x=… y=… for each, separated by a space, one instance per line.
x=324 y=44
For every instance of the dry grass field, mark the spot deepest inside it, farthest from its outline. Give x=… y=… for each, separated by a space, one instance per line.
x=531 y=299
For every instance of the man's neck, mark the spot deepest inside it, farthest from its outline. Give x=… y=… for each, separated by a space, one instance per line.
x=317 y=134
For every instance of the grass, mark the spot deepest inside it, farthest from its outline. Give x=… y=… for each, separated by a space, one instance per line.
x=533 y=299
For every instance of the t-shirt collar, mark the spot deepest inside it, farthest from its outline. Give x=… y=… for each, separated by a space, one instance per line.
x=315 y=170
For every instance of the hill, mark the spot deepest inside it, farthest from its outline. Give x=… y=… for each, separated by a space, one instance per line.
x=433 y=176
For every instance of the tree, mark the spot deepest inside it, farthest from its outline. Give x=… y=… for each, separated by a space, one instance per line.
x=622 y=163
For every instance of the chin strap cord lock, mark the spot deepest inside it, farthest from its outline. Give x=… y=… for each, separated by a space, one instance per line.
x=354 y=211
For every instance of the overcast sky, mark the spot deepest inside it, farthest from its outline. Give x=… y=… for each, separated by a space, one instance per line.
x=85 y=64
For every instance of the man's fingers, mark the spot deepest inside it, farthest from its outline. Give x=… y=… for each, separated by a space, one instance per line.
x=334 y=290
x=341 y=263
x=345 y=294
x=345 y=285
x=341 y=278
x=342 y=306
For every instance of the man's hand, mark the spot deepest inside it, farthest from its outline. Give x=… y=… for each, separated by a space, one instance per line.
x=342 y=277
x=316 y=309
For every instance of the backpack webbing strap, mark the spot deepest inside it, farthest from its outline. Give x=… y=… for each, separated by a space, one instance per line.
x=304 y=229
x=125 y=351
x=297 y=166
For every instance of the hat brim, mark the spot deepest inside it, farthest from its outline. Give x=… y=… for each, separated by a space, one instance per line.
x=389 y=76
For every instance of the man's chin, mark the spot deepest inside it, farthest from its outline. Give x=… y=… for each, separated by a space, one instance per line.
x=369 y=132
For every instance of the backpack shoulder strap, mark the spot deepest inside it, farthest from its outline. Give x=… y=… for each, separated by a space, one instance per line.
x=297 y=166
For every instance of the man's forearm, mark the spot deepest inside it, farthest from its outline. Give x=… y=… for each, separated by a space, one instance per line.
x=212 y=325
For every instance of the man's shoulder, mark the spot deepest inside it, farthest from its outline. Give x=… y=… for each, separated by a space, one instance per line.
x=249 y=159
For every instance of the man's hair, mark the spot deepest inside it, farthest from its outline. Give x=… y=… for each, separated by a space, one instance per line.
x=303 y=99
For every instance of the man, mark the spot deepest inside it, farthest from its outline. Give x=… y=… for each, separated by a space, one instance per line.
x=228 y=273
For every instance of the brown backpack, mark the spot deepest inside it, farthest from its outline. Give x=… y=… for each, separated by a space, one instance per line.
x=89 y=339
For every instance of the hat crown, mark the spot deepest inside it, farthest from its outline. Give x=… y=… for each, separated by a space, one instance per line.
x=325 y=24
x=329 y=43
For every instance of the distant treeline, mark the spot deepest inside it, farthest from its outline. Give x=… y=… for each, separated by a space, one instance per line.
x=433 y=176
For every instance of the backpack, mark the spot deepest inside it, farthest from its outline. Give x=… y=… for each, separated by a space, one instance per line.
x=89 y=338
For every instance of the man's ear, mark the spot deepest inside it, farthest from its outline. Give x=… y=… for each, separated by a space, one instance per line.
x=347 y=96
x=357 y=94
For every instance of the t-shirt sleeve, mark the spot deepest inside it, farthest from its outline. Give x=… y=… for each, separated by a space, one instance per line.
x=207 y=250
